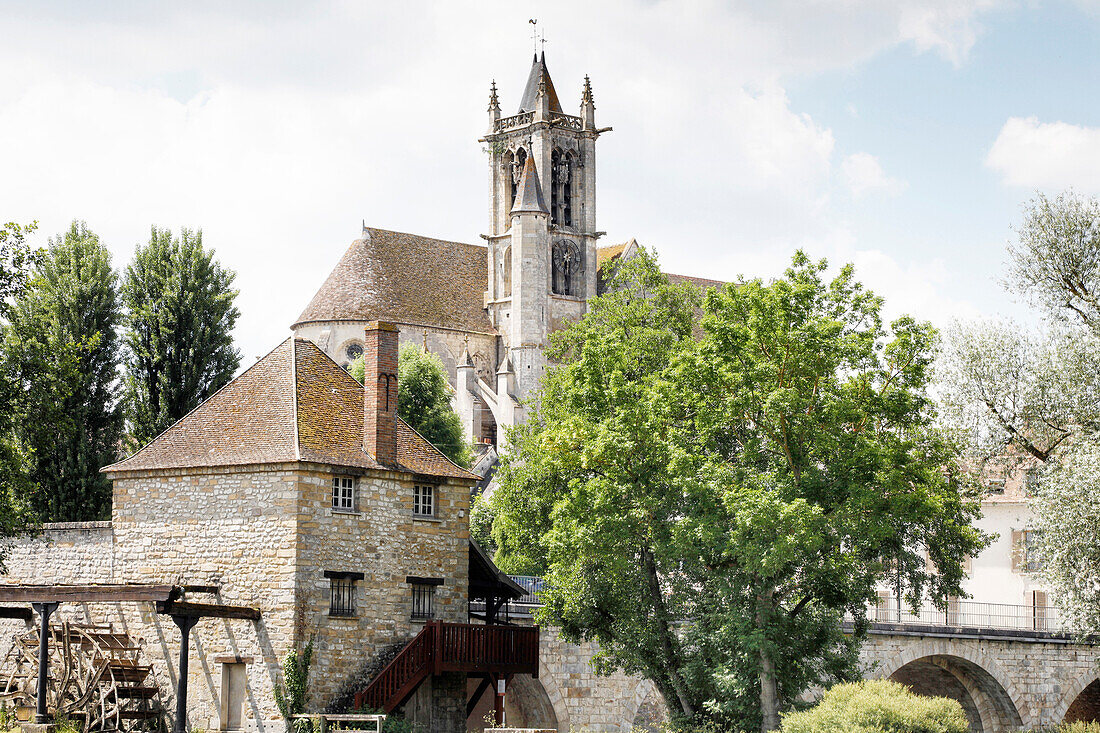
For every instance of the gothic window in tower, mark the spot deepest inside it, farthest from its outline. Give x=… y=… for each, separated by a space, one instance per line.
x=513 y=170
x=506 y=272
x=567 y=267
x=561 y=188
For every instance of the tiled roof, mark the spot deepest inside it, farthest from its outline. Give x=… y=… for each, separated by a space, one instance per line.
x=406 y=279
x=527 y=103
x=701 y=282
x=295 y=404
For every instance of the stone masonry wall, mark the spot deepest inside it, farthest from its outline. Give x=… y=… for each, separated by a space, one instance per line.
x=383 y=540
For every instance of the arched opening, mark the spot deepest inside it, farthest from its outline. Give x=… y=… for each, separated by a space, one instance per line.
x=525 y=706
x=561 y=188
x=506 y=272
x=1085 y=708
x=652 y=714
x=513 y=170
x=987 y=705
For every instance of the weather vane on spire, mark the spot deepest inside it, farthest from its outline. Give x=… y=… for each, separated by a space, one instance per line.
x=534 y=34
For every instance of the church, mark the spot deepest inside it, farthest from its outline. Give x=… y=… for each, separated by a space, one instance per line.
x=495 y=303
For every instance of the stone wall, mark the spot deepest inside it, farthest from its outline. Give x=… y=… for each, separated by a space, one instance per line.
x=383 y=540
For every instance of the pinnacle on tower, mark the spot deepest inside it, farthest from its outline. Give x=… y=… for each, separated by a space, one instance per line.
x=529 y=194
x=588 y=106
x=494 y=103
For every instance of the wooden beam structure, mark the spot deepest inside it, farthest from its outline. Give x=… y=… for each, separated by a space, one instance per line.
x=166 y=598
x=96 y=593
x=17 y=612
x=207 y=610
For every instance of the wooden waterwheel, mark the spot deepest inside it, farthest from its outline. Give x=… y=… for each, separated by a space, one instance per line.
x=96 y=678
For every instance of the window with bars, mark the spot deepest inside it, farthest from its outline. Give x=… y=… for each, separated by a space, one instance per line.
x=342 y=592
x=423 y=596
x=343 y=493
x=1032 y=559
x=424 y=500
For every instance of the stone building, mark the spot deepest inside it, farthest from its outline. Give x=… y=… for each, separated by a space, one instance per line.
x=298 y=492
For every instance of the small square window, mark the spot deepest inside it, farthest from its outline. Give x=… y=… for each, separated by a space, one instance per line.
x=424 y=500
x=342 y=595
x=995 y=486
x=343 y=493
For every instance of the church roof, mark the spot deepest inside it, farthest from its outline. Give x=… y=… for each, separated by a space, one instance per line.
x=295 y=404
x=529 y=193
x=405 y=279
x=531 y=91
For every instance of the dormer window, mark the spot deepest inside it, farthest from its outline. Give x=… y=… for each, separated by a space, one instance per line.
x=424 y=500
x=343 y=493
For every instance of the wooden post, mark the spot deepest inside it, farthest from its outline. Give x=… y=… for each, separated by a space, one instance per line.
x=185 y=623
x=44 y=610
x=498 y=702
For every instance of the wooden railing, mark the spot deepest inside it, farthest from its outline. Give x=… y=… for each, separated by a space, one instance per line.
x=443 y=647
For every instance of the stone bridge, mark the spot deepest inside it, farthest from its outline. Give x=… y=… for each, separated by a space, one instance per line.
x=1005 y=666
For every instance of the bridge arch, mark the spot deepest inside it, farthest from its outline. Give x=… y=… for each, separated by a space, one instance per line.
x=553 y=690
x=936 y=667
x=1081 y=701
x=648 y=694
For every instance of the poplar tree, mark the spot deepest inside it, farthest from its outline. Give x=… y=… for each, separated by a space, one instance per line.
x=180 y=315
x=16 y=258
x=62 y=345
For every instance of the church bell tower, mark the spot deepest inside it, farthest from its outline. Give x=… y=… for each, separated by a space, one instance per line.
x=542 y=223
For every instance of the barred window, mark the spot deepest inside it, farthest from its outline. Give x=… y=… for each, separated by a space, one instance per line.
x=423 y=596
x=424 y=500
x=343 y=493
x=342 y=592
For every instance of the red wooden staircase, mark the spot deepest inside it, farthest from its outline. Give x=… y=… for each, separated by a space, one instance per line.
x=443 y=647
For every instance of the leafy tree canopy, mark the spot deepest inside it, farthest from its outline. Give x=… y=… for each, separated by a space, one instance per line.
x=180 y=315
x=425 y=401
x=708 y=497
x=16 y=487
x=62 y=346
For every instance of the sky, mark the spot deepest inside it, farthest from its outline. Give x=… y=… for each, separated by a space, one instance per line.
x=900 y=136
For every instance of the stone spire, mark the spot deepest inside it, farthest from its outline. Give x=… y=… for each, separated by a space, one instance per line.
x=529 y=194
x=538 y=77
x=588 y=105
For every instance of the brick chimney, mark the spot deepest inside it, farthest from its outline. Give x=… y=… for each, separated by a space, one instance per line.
x=380 y=392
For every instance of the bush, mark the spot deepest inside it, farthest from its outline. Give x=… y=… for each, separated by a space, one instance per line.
x=877 y=706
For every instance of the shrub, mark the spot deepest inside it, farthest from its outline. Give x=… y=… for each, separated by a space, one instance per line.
x=877 y=706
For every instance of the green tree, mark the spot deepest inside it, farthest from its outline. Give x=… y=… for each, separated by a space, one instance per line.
x=62 y=344
x=16 y=487
x=709 y=497
x=878 y=706
x=1035 y=393
x=425 y=401
x=180 y=315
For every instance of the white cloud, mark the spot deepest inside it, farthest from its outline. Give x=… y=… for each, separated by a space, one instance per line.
x=1047 y=155
x=863 y=174
x=276 y=128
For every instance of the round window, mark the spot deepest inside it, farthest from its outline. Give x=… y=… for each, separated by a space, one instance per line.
x=353 y=351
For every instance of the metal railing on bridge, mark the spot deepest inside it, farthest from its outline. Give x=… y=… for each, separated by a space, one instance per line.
x=968 y=614
x=972 y=614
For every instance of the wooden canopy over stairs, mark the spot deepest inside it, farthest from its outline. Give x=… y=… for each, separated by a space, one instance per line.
x=476 y=649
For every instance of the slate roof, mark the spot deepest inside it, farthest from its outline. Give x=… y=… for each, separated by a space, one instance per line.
x=405 y=279
x=529 y=193
x=531 y=89
x=295 y=404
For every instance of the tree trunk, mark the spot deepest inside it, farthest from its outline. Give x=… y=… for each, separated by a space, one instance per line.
x=665 y=633
x=769 y=695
